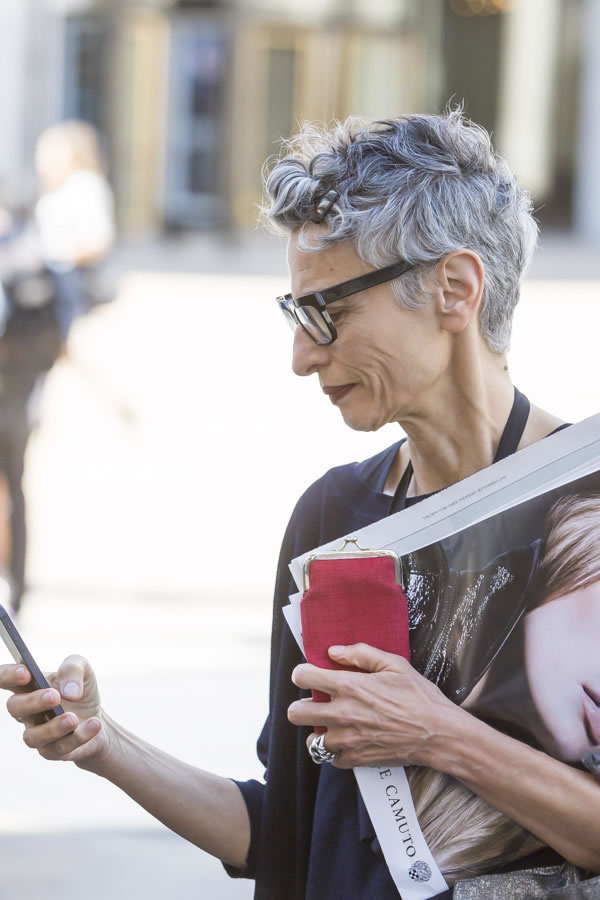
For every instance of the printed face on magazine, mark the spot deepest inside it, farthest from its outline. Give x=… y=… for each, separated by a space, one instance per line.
x=562 y=658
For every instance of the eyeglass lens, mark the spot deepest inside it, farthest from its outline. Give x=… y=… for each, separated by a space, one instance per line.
x=310 y=319
x=314 y=323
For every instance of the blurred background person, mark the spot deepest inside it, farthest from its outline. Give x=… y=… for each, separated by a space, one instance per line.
x=50 y=271
x=74 y=214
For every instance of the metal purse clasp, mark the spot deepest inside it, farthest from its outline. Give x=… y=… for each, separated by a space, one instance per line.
x=352 y=540
x=364 y=552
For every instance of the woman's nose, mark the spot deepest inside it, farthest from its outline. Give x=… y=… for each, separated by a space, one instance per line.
x=307 y=356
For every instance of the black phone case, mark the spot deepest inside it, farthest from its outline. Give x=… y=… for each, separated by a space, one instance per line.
x=20 y=653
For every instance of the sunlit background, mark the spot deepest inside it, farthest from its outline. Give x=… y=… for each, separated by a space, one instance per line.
x=174 y=439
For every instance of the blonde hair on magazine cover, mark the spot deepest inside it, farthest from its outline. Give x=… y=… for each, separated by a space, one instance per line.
x=464 y=832
x=570 y=557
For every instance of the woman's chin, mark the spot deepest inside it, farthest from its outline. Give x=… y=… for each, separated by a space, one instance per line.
x=359 y=422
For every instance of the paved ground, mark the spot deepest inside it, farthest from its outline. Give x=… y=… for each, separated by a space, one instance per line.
x=173 y=446
x=112 y=865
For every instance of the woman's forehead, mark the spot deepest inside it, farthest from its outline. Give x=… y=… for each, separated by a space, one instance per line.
x=319 y=269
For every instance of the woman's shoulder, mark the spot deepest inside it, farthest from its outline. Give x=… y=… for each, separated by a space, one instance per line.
x=539 y=425
x=347 y=485
x=354 y=476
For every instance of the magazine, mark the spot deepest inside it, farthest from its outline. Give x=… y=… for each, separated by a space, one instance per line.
x=502 y=576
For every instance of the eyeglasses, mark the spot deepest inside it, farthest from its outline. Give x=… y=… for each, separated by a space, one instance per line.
x=310 y=312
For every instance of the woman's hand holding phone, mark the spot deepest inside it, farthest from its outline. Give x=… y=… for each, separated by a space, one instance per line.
x=79 y=734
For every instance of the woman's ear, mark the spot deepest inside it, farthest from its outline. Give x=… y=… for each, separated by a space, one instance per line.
x=460 y=278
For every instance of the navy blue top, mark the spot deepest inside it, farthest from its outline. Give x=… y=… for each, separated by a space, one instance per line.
x=311 y=836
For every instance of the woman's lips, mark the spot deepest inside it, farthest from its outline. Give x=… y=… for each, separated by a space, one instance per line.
x=336 y=394
x=592 y=716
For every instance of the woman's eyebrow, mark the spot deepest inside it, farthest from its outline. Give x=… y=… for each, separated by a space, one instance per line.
x=348 y=302
x=339 y=305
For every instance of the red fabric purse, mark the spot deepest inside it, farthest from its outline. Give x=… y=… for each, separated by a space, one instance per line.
x=349 y=598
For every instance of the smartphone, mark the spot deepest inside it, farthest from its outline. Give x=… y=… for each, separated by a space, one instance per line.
x=20 y=653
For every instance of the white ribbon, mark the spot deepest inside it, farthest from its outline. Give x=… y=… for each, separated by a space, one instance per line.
x=386 y=794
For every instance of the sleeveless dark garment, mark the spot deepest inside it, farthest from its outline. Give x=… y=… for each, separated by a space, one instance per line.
x=311 y=836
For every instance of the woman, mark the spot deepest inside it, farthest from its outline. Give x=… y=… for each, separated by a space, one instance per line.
x=430 y=235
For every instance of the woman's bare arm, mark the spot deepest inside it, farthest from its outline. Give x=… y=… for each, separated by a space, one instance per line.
x=391 y=714
x=203 y=808
x=206 y=809
x=557 y=803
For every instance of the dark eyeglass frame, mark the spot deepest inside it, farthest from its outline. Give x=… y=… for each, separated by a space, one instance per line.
x=319 y=300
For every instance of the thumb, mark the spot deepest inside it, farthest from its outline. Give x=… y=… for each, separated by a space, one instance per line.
x=365 y=657
x=71 y=677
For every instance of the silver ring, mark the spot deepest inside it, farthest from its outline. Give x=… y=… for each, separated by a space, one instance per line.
x=319 y=752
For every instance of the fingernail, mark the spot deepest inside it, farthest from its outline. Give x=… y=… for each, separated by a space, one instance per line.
x=20 y=673
x=71 y=691
x=337 y=650
x=92 y=724
x=49 y=697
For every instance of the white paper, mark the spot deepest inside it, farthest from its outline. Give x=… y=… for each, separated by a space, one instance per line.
x=556 y=460
x=292 y=617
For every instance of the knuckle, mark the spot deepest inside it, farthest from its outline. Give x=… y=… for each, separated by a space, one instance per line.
x=342 y=745
x=345 y=683
x=75 y=660
x=16 y=706
x=28 y=738
x=351 y=685
x=346 y=715
x=74 y=668
x=60 y=748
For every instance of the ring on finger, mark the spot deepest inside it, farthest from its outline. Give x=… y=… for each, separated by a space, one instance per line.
x=319 y=752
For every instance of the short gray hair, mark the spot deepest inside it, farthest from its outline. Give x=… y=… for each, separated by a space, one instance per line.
x=413 y=188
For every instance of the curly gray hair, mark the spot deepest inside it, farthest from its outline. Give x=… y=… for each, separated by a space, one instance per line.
x=413 y=188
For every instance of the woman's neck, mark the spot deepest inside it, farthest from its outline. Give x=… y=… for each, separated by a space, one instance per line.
x=456 y=428
x=454 y=425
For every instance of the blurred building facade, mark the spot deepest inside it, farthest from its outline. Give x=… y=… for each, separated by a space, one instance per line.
x=192 y=96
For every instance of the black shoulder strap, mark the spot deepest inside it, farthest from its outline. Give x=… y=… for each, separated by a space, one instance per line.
x=514 y=428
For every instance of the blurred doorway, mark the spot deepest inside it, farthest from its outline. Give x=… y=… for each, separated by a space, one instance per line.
x=472 y=54
x=195 y=164
x=86 y=52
